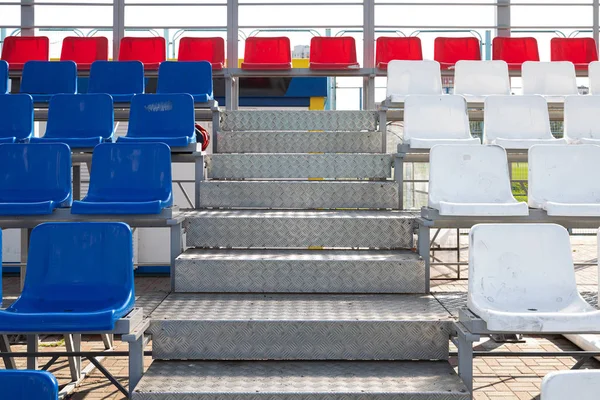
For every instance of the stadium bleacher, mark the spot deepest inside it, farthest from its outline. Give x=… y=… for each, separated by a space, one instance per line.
x=4 y=82
x=579 y=51
x=193 y=77
x=413 y=77
x=121 y=79
x=267 y=53
x=515 y=50
x=550 y=79
x=331 y=53
x=397 y=48
x=203 y=49
x=582 y=385
x=447 y=51
x=150 y=51
x=16 y=124
x=35 y=82
x=478 y=79
x=84 y=50
x=582 y=120
x=22 y=385
x=17 y=50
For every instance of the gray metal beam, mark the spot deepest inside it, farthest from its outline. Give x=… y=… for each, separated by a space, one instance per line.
x=369 y=53
x=118 y=25
x=503 y=18
x=27 y=17
x=596 y=20
x=232 y=84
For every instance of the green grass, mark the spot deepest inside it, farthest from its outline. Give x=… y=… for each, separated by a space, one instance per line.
x=519 y=189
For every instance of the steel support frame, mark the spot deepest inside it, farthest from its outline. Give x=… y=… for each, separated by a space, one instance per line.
x=27 y=17
x=118 y=25
x=503 y=18
x=232 y=85
x=596 y=20
x=369 y=54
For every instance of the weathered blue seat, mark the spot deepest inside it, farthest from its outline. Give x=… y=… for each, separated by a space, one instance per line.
x=28 y=385
x=190 y=77
x=79 y=120
x=3 y=77
x=34 y=178
x=79 y=279
x=16 y=118
x=44 y=79
x=121 y=79
x=129 y=178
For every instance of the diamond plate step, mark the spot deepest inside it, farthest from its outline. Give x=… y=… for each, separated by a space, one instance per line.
x=299 y=142
x=299 y=194
x=300 y=271
x=300 y=327
x=273 y=380
x=299 y=166
x=299 y=229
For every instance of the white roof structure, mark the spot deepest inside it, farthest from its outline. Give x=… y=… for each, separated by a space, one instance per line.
x=412 y=77
x=554 y=79
x=582 y=119
x=477 y=79
x=471 y=180
x=578 y=384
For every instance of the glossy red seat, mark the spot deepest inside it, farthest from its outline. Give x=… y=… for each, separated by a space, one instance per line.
x=579 y=51
x=333 y=53
x=515 y=51
x=272 y=53
x=150 y=51
x=210 y=49
x=447 y=51
x=397 y=48
x=17 y=50
x=84 y=50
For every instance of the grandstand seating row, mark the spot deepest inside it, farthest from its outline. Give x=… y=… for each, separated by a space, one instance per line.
x=274 y=53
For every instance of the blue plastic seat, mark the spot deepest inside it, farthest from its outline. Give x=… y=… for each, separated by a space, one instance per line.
x=34 y=178
x=130 y=178
x=165 y=118
x=121 y=79
x=190 y=77
x=28 y=385
x=43 y=79
x=79 y=120
x=16 y=118
x=79 y=279
x=3 y=77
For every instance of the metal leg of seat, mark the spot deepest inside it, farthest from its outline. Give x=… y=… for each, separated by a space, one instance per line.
x=199 y=176
x=76 y=182
x=136 y=362
x=32 y=347
x=176 y=247
x=72 y=344
x=424 y=251
x=25 y=235
x=9 y=362
x=399 y=178
x=465 y=360
x=108 y=339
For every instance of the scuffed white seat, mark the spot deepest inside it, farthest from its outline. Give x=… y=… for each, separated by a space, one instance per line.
x=554 y=80
x=478 y=79
x=522 y=279
x=471 y=180
x=431 y=120
x=576 y=385
x=582 y=119
x=559 y=180
x=412 y=77
x=517 y=122
x=594 y=76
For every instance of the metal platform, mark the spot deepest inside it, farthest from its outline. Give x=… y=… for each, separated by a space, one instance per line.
x=299 y=229
x=273 y=380
x=299 y=194
x=300 y=327
x=300 y=271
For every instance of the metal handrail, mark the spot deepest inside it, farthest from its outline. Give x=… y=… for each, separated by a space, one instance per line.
x=344 y=31
x=471 y=31
x=311 y=31
x=556 y=31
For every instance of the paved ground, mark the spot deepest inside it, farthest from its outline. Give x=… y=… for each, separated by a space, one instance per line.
x=495 y=378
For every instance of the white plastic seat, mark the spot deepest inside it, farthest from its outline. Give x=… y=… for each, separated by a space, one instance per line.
x=522 y=280
x=594 y=76
x=471 y=180
x=554 y=79
x=582 y=119
x=559 y=180
x=477 y=79
x=431 y=120
x=412 y=77
x=564 y=385
x=517 y=122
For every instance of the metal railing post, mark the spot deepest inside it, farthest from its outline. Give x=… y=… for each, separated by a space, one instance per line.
x=503 y=18
x=27 y=17
x=118 y=25
x=596 y=21
x=368 y=53
x=232 y=84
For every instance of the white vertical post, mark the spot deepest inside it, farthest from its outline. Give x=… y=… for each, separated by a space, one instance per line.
x=596 y=20
x=118 y=25
x=232 y=84
x=503 y=18
x=27 y=18
x=369 y=53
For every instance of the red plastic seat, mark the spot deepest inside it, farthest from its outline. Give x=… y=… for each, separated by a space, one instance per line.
x=84 y=50
x=333 y=53
x=210 y=49
x=267 y=53
x=579 y=51
x=150 y=51
x=515 y=51
x=397 y=48
x=447 y=51
x=17 y=50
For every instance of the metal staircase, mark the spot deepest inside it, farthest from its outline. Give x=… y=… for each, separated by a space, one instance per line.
x=300 y=281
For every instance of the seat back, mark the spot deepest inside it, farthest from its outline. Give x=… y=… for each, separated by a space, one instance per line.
x=17 y=50
x=516 y=117
x=515 y=50
x=147 y=50
x=3 y=77
x=185 y=77
x=116 y=77
x=17 y=116
x=35 y=173
x=130 y=172
x=481 y=78
x=88 y=265
x=49 y=77
x=397 y=48
x=436 y=117
x=27 y=385
x=581 y=118
x=559 y=173
x=80 y=116
x=84 y=50
x=511 y=265
x=447 y=50
x=594 y=75
x=268 y=50
x=578 y=384
x=161 y=115
x=468 y=174
x=575 y=50
x=210 y=49
x=414 y=77
x=555 y=78
x=333 y=50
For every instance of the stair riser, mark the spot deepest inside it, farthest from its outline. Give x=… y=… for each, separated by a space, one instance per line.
x=312 y=396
